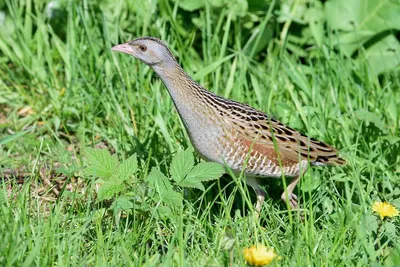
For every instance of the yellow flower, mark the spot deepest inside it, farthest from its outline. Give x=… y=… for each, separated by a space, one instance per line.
x=259 y=256
x=385 y=209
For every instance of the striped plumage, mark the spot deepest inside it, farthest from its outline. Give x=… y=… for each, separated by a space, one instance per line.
x=232 y=133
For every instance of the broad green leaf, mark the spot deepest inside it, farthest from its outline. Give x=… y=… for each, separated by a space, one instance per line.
x=171 y=198
x=360 y=20
x=190 y=5
x=121 y=204
x=393 y=259
x=367 y=116
x=293 y=10
x=350 y=42
x=109 y=189
x=206 y=171
x=162 y=212
x=310 y=182
x=316 y=19
x=100 y=163
x=61 y=154
x=390 y=230
x=327 y=205
x=217 y=3
x=371 y=222
x=162 y=188
x=358 y=15
x=193 y=183
x=342 y=14
x=12 y=137
x=383 y=55
x=56 y=122
x=127 y=168
x=158 y=182
x=181 y=164
x=238 y=8
x=396 y=202
x=340 y=177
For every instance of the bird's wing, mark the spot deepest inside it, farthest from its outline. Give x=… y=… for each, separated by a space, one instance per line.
x=272 y=138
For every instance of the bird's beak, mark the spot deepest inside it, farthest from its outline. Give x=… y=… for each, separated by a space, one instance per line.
x=124 y=48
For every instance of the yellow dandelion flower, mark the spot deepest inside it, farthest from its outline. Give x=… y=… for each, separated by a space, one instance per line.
x=385 y=209
x=259 y=256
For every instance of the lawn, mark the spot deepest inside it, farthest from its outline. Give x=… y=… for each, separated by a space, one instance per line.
x=92 y=148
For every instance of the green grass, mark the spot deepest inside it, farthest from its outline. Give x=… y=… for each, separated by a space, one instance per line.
x=77 y=94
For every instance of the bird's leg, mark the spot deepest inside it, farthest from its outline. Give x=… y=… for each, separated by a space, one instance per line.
x=288 y=193
x=260 y=193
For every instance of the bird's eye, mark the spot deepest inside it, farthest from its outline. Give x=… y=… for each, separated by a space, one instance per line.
x=143 y=48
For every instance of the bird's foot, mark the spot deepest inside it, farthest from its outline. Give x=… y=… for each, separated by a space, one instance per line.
x=292 y=198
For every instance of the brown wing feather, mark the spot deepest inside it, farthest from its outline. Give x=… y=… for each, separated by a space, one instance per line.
x=292 y=145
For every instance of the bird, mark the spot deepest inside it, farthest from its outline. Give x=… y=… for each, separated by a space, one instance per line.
x=231 y=133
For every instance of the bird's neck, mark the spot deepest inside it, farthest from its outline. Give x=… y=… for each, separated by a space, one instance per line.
x=186 y=94
x=183 y=90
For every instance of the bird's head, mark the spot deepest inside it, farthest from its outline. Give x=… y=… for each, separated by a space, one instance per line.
x=149 y=50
